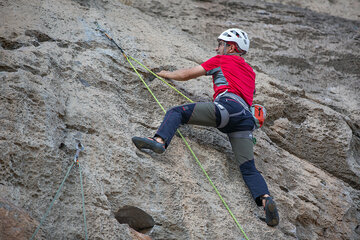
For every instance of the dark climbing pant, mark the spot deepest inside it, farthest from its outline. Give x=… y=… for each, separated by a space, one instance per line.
x=240 y=122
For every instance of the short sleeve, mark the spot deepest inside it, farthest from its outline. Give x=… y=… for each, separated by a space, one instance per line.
x=211 y=64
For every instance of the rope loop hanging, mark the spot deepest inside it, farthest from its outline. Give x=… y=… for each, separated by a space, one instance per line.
x=79 y=148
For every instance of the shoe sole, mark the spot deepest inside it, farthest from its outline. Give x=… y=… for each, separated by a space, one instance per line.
x=145 y=143
x=272 y=214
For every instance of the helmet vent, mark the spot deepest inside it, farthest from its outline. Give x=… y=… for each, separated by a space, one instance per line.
x=238 y=36
x=236 y=33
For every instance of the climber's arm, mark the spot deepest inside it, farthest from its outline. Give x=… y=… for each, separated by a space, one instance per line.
x=183 y=74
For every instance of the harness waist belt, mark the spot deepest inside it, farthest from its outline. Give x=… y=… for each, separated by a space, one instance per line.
x=235 y=97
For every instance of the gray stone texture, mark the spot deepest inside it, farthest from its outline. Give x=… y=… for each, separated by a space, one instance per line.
x=60 y=79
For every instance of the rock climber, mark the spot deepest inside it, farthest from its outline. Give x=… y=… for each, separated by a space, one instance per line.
x=234 y=87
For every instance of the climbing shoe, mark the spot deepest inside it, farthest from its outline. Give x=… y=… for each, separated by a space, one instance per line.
x=149 y=143
x=271 y=212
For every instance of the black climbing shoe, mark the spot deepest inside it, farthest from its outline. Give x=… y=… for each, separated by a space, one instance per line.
x=271 y=212
x=149 y=143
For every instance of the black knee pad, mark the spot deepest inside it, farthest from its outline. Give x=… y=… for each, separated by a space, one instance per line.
x=248 y=167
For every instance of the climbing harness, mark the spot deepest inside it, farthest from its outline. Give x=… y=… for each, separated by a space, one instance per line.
x=178 y=131
x=257 y=111
x=79 y=148
x=225 y=116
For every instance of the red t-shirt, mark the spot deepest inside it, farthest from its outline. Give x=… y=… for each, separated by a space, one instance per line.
x=231 y=73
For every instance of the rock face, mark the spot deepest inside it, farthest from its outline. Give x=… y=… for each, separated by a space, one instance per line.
x=61 y=79
x=15 y=223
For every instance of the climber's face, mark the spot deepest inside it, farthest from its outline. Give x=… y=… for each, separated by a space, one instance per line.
x=220 y=48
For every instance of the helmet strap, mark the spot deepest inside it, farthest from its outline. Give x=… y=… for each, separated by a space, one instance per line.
x=225 y=45
x=238 y=53
x=235 y=53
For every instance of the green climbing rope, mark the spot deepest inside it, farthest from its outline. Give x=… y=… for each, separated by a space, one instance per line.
x=158 y=102
x=192 y=152
x=174 y=88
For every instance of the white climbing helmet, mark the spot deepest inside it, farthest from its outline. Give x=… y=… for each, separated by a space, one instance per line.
x=238 y=36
